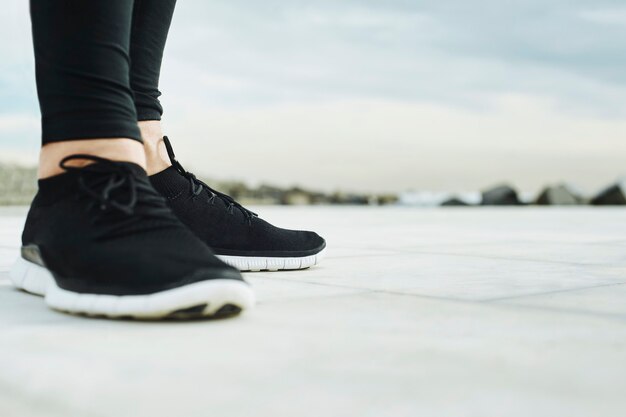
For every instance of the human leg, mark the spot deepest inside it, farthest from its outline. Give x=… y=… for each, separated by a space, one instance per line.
x=98 y=238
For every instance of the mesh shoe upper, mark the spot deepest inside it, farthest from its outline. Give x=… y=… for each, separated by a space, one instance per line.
x=226 y=226
x=103 y=229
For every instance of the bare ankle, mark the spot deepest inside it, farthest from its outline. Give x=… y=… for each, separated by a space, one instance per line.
x=156 y=153
x=116 y=149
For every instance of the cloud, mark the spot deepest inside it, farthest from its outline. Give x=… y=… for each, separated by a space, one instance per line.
x=451 y=52
x=370 y=94
x=390 y=145
x=615 y=16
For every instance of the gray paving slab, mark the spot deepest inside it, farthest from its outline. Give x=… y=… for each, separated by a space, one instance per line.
x=468 y=312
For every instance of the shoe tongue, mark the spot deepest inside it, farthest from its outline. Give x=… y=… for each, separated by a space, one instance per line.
x=137 y=170
x=104 y=168
x=169 y=182
x=59 y=186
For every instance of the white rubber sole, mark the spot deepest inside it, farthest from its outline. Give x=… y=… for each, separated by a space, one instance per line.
x=213 y=298
x=255 y=264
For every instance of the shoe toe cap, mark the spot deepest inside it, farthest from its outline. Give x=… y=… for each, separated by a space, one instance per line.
x=310 y=241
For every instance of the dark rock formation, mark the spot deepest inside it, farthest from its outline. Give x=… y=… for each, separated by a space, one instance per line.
x=558 y=195
x=615 y=195
x=454 y=202
x=502 y=195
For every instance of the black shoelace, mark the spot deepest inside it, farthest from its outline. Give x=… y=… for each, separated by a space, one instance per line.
x=197 y=186
x=101 y=180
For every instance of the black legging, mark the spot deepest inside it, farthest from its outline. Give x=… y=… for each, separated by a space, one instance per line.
x=97 y=65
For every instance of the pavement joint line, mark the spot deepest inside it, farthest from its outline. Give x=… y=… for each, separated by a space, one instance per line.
x=314 y=297
x=466 y=255
x=503 y=258
x=619 y=317
x=585 y=313
x=456 y=299
x=569 y=290
x=375 y=290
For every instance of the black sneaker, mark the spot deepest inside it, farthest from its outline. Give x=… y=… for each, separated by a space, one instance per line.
x=237 y=235
x=100 y=241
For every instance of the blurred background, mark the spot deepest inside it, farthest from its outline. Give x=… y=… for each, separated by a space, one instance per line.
x=372 y=102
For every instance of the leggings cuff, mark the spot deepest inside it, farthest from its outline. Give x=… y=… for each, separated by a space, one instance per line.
x=59 y=131
x=142 y=116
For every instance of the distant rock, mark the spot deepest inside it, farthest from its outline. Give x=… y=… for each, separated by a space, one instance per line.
x=454 y=202
x=349 y=198
x=559 y=195
x=615 y=195
x=386 y=199
x=502 y=195
x=296 y=197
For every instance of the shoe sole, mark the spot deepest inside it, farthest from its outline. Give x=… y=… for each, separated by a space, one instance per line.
x=213 y=298
x=256 y=264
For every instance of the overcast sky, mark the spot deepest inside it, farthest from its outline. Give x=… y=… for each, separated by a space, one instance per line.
x=373 y=95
